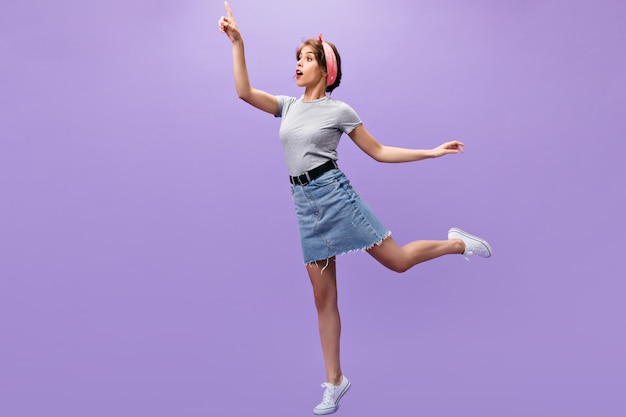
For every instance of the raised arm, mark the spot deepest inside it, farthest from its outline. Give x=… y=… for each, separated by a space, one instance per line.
x=382 y=153
x=257 y=98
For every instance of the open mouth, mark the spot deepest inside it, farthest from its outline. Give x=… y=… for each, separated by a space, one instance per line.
x=298 y=73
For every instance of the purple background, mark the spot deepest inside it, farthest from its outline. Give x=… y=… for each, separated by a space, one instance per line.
x=149 y=257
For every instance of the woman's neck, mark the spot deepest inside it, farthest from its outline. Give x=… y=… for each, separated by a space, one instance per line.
x=314 y=93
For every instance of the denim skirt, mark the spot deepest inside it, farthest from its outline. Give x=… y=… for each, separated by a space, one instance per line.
x=332 y=218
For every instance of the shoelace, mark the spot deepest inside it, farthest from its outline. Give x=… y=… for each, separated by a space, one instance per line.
x=467 y=254
x=329 y=391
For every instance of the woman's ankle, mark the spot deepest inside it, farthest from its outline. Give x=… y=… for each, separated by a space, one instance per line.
x=335 y=379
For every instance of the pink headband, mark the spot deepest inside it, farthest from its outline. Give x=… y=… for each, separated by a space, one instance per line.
x=331 y=62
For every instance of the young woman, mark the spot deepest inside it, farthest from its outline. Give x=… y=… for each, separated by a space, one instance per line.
x=332 y=218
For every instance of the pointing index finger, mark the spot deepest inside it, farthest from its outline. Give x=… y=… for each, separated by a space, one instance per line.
x=230 y=12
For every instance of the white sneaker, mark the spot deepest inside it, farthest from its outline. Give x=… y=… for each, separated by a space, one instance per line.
x=331 y=397
x=473 y=244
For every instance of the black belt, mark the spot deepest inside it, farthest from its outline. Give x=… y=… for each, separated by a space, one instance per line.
x=316 y=172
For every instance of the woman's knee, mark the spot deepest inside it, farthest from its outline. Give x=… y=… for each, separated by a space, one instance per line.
x=391 y=256
x=399 y=262
x=399 y=265
x=325 y=300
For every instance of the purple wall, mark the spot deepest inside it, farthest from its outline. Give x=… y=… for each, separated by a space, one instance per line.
x=149 y=259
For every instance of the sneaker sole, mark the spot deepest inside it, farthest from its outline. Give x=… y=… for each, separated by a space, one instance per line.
x=475 y=238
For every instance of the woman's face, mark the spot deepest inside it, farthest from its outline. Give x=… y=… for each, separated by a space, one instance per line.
x=308 y=71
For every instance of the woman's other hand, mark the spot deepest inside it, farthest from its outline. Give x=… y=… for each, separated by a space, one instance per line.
x=228 y=25
x=448 y=148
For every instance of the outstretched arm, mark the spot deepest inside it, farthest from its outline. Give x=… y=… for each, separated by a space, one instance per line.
x=382 y=153
x=257 y=98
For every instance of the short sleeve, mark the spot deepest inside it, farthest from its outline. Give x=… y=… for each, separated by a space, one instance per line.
x=348 y=119
x=283 y=105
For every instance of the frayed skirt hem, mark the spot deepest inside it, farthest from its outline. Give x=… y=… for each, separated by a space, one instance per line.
x=377 y=243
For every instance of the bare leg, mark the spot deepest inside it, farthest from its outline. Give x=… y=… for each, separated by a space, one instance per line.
x=323 y=277
x=400 y=259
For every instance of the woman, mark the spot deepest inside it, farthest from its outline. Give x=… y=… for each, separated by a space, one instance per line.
x=332 y=219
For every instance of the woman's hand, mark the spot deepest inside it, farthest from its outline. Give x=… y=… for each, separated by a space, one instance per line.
x=228 y=25
x=448 y=148
x=257 y=98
